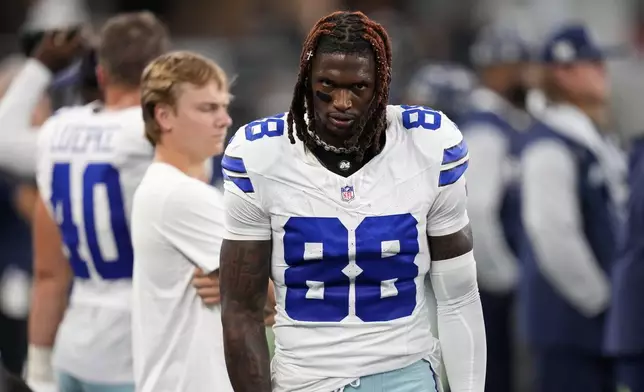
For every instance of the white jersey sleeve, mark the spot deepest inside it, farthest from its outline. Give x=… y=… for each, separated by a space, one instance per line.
x=17 y=136
x=449 y=210
x=191 y=215
x=245 y=218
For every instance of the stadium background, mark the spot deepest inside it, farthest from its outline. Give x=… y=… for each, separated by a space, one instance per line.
x=258 y=41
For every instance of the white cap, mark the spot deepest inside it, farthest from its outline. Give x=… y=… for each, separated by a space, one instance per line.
x=56 y=14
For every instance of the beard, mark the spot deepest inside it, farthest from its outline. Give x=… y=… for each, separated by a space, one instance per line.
x=517 y=95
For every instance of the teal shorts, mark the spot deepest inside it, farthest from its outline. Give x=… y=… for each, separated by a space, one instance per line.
x=417 y=377
x=69 y=383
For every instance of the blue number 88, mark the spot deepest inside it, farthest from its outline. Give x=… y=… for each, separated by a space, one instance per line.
x=316 y=251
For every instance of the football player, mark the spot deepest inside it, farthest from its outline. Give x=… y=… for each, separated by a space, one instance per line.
x=351 y=206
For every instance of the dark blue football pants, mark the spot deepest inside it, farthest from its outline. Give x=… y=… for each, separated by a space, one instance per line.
x=570 y=369
x=499 y=330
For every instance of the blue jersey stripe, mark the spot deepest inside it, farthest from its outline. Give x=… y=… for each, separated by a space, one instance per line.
x=452 y=175
x=233 y=164
x=455 y=153
x=242 y=183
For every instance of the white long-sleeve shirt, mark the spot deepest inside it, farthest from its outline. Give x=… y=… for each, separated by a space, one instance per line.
x=18 y=138
x=552 y=213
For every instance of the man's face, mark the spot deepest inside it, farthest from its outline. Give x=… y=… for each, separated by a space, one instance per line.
x=343 y=88
x=200 y=121
x=584 y=81
x=511 y=79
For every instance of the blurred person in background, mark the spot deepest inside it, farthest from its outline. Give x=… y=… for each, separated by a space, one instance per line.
x=25 y=108
x=494 y=126
x=572 y=184
x=445 y=87
x=441 y=86
x=17 y=198
x=21 y=113
x=81 y=150
x=624 y=337
x=48 y=24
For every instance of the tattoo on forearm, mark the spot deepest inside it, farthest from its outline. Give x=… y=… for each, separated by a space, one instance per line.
x=244 y=273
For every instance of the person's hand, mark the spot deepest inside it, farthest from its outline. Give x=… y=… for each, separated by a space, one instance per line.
x=58 y=49
x=207 y=287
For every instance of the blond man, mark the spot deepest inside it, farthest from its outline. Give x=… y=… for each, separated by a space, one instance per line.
x=177 y=225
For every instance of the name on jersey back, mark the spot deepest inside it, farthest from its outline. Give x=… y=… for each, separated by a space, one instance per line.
x=84 y=138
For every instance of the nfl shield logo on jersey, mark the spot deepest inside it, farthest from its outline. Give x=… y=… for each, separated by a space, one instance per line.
x=347 y=193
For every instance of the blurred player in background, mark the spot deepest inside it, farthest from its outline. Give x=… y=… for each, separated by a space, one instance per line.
x=442 y=86
x=88 y=86
x=177 y=224
x=25 y=105
x=494 y=126
x=572 y=188
x=344 y=200
x=17 y=198
x=625 y=324
x=624 y=338
x=90 y=160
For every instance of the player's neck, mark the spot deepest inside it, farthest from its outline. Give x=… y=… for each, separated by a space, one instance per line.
x=120 y=97
x=345 y=164
x=190 y=166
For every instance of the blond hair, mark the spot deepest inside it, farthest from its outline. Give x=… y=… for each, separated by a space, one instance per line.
x=164 y=76
x=127 y=44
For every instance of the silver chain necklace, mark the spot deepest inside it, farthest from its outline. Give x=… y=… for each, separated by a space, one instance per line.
x=328 y=147
x=343 y=165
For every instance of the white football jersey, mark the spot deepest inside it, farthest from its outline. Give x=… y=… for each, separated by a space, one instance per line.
x=90 y=162
x=350 y=255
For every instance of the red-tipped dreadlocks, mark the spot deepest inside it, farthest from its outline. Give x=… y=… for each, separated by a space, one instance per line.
x=344 y=32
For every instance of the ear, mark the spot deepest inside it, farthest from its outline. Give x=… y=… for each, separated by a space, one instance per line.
x=163 y=114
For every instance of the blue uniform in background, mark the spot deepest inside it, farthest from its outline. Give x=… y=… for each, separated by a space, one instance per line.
x=625 y=329
x=494 y=129
x=497 y=227
x=567 y=344
x=572 y=192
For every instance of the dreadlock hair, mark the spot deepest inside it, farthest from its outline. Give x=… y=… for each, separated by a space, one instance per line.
x=344 y=32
